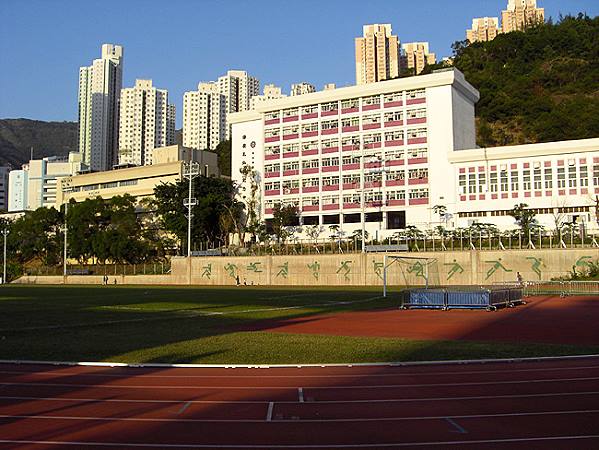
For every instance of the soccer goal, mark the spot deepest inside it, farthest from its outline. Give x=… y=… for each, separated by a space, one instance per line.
x=409 y=271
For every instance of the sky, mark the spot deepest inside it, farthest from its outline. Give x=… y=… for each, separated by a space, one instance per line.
x=178 y=43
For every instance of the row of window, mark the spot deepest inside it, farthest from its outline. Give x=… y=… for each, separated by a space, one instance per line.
x=352 y=103
x=353 y=198
x=112 y=184
x=507 y=212
x=538 y=178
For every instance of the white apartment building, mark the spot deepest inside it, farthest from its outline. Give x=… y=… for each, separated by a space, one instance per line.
x=238 y=87
x=204 y=117
x=147 y=121
x=34 y=186
x=302 y=88
x=376 y=152
x=99 y=91
x=387 y=153
x=270 y=92
x=4 y=171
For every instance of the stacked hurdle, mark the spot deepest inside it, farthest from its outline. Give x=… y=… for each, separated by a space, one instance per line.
x=466 y=297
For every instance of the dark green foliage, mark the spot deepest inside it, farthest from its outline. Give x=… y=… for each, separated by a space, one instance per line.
x=283 y=216
x=223 y=150
x=37 y=236
x=536 y=86
x=209 y=222
x=525 y=217
x=17 y=136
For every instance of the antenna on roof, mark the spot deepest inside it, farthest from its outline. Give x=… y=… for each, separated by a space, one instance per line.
x=31 y=153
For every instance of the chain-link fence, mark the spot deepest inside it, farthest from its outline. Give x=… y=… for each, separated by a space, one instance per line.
x=158 y=268
x=562 y=288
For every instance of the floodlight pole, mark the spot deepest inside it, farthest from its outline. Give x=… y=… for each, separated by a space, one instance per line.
x=190 y=171
x=5 y=233
x=64 y=257
x=385 y=276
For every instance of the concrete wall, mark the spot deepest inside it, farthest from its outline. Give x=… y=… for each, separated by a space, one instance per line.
x=357 y=269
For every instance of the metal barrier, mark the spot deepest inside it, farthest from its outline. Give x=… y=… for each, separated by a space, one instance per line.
x=462 y=297
x=563 y=288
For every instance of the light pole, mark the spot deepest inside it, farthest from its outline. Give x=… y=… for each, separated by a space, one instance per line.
x=64 y=257
x=190 y=171
x=5 y=233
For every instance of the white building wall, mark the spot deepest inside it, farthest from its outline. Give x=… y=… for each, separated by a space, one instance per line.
x=17 y=190
x=204 y=118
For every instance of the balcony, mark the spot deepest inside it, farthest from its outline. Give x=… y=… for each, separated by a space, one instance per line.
x=418 y=201
x=395 y=162
x=271 y=174
x=371 y=107
x=395 y=182
x=310 y=170
x=306 y=189
x=393 y=104
x=413 y=181
x=306 y=134
x=355 y=109
x=417 y=160
x=373 y=164
x=394 y=143
x=268 y=210
x=310 y=151
x=352 y=166
x=416 y=120
x=415 y=101
x=272 y=156
x=417 y=140
x=371 y=126
x=330 y=131
x=272 y=121
x=349 y=186
x=373 y=184
x=333 y=112
x=330 y=206
x=291 y=155
x=394 y=123
x=396 y=202
x=287 y=137
x=291 y=172
x=290 y=119
x=331 y=187
x=350 y=147
x=373 y=145
x=330 y=150
x=330 y=169
x=351 y=205
x=272 y=139
x=290 y=191
x=374 y=204
x=312 y=115
x=311 y=208
x=272 y=192
x=350 y=129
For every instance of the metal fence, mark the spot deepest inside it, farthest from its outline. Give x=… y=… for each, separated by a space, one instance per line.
x=158 y=268
x=562 y=288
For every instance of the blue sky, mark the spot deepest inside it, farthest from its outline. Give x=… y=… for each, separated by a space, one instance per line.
x=178 y=43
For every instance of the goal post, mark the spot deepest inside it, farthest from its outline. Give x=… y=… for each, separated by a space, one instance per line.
x=409 y=271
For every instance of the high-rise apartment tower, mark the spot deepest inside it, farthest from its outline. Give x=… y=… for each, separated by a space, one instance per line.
x=147 y=121
x=99 y=91
x=415 y=55
x=377 y=54
x=204 y=117
x=483 y=29
x=521 y=14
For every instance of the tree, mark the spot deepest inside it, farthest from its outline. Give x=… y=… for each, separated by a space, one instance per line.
x=37 y=236
x=441 y=210
x=283 y=216
x=251 y=199
x=223 y=150
x=313 y=232
x=525 y=218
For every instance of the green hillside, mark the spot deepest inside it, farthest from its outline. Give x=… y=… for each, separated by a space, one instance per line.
x=536 y=86
x=17 y=136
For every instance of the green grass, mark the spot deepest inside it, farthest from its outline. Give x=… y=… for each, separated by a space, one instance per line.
x=201 y=325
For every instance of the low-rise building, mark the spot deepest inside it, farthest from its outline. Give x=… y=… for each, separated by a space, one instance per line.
x=4 y=182
x=138 y=182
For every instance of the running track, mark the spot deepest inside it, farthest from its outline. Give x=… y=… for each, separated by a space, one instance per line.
x=522 y=405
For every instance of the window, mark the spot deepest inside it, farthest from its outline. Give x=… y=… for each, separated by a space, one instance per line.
x=393 y=97
x=371 y=119
x=418 y=193
x=503 y=181
x=272 y=150
x=127 y=183
x=329 y=124
x=293 y=165
x=351 y=179
x=561 y=177
x=294 y=129
x=548 y=178
x=290 y=184
x=396 y=175
x=394 y=155
x=291 y=112
x=330 y=143
x=330 y=200
x=493 y=181
x=372 y=100
x=417 y=153
x=584 y=181
x=394 y=136
x=394 y=116
x=310 y=109
x=290 y=148
x=417 y=93
x=309 y=145
x=309 y=127
x=354 y=141
x=416 y=113
x=271 y=132
x=472 y=183
x=310 y=164
x=372 y=138
x=396 y=195
x=462 y=183
x=596 y=174
x=482 y=182
x=330 y=181
x=352 y=198
x=420 y=174
x=526 y=179
x=330 y=162
x=537 y=182
x=310 y=201
x=572 y=176
x=269 y=168
x=331 y=106
x=351 y=103
x=350 y=122
x=310 y=182
x=272 y=186
x=351 y=159
x=416 y=133
x=373 y=196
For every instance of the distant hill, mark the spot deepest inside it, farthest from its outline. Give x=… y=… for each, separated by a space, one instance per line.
x=539 y=85
x=17 y=136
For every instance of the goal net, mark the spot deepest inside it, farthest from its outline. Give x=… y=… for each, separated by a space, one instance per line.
x=402 y=272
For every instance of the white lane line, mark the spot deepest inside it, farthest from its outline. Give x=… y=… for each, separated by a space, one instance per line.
x=459 y=429
x=184 y=407
x=260 y=402
x=349 y=386
x=271 y=406
x=366 y=419
x=454 y=362
x=356 y=375
x=300 y=394
x=276 y=446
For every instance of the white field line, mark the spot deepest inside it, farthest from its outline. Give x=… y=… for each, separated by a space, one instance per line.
x=299 y=366
x=356 y=375
x=299 y=446
x=322 y=402
x=349 y=386
x=188 y=313
x=357 y=419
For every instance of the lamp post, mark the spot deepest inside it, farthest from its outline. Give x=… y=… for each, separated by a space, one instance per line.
x=64 y=257
x=5 y=233
x=190 y=171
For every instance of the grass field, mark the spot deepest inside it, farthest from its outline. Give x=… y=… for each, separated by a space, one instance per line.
x=201 y=325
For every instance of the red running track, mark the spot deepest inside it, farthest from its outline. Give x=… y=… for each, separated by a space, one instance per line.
x=523 y=405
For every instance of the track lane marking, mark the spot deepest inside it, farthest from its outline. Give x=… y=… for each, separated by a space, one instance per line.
x=354 y=386
x=457 y=427
x=391 y=400
x=299 y=446
x=367 y=419
x=373 y=375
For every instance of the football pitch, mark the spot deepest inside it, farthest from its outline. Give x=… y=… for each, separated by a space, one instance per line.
x=215 y=325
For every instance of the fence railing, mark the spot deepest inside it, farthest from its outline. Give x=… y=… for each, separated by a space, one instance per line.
x=561 y=288
x=158 y=268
